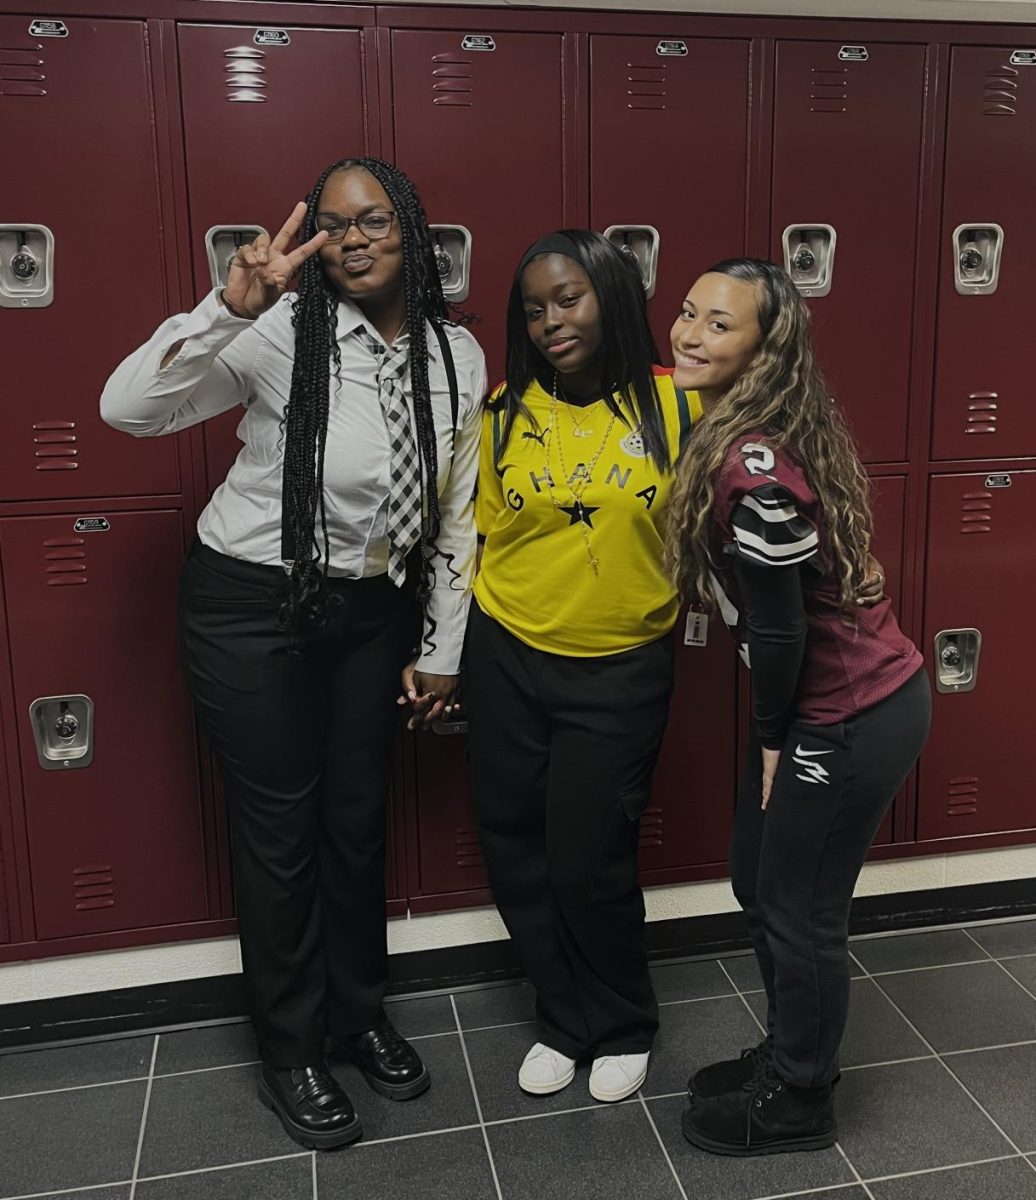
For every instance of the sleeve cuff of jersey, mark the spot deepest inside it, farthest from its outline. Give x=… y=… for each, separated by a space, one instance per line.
x=767 y=528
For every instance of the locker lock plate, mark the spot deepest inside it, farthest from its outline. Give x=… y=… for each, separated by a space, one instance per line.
x=977 y=249
x=956 y=660
x=809 y=257
x=26 y=266
x=222 y=242
x=62 y=727
x=640 y=245
x=452 y=248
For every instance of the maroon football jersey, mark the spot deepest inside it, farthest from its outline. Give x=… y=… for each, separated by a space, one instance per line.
x=765 y=512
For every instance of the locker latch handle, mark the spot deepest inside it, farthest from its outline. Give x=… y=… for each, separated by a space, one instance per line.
x=956 y=660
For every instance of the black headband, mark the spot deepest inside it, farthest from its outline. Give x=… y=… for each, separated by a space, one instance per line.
x=553 y=243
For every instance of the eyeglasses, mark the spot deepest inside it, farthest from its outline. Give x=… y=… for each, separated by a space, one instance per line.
x=373 y=226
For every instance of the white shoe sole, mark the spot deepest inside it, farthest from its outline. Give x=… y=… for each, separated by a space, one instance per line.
x=547 y=1089
x=610 y=1097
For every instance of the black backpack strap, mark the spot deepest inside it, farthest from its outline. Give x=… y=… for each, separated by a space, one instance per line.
x=451 y=376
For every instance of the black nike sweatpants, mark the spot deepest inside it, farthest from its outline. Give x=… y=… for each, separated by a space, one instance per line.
x=794 y=867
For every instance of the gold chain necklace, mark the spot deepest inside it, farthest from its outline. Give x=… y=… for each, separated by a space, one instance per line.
x=578 y=512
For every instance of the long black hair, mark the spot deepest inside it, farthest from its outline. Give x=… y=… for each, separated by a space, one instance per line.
x=628 y=347
x=315 y=319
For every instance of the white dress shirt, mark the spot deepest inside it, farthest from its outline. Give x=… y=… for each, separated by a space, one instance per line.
x=227 y=361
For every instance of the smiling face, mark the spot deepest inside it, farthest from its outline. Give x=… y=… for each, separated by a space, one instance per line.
x=360 y=268
x=716 y=335
x=563 y=320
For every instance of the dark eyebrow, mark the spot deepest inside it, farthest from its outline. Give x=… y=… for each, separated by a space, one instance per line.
x=719 y=312
x=362 y=213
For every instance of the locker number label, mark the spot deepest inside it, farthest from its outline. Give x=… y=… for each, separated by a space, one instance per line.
x=1024 y=58
x=853 y=54
x=48 y=29
x=271 y=37
x=92 y=525
x=671 y=49
x=478 y=41
x=999 y=480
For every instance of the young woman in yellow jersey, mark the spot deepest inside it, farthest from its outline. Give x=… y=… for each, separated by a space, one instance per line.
x=569 y=656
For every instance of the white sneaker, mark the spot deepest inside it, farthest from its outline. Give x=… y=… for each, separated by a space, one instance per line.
x=545 y=1071
x=616 y=1076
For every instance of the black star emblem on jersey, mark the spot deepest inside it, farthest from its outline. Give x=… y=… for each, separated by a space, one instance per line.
x=579 y=512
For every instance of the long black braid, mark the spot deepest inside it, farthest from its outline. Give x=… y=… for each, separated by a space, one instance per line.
x=315 y=319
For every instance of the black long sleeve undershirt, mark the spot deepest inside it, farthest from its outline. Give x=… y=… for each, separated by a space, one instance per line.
x=775 y=622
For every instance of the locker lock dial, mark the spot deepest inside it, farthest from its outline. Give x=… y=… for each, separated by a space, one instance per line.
x=443 y=260
x=66 y=727
x=956 y=660
x=26 y=266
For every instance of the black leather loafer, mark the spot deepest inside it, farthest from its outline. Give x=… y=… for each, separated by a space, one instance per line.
x=389 y=1063
x=311 y=1106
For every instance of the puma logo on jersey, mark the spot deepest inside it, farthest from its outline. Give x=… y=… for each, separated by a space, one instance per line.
x=815 y=773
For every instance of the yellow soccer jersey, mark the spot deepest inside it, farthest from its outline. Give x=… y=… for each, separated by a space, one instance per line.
x=573 y=522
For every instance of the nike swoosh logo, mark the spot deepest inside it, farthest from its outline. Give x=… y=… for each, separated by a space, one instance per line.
x=810 y=753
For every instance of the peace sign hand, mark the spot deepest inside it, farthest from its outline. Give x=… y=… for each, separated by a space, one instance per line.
x=260 y=272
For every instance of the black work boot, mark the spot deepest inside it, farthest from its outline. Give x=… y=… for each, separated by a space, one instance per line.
x=389 y=1063
x=731 y=1074
x=766 y=1116
x=311 y=1106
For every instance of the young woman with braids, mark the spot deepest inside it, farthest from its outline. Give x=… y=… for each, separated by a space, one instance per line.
x=347 y=513
x=770 y=522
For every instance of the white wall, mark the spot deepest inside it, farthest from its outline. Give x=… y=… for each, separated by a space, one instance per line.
x=47 y=978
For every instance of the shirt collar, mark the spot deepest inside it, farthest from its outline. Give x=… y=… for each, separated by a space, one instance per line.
x=351 y=318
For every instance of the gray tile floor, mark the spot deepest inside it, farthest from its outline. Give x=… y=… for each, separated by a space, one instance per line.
x=939 y=1066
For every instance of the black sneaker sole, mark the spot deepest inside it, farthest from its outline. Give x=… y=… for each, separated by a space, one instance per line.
x=815 y=1141
x=306 y=1137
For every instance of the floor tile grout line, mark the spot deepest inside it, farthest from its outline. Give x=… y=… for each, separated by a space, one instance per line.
x=744 y=1001
x=313 y=1168
x=143 y=1118
x=1013 y=979
x=852 y=1167
x=956 y=1078
x=820 y=1191
x=73 y=1191
x=233 y=1166
x=966 y=962
x=478 y=1103
x=661 y=1145
x=76 y=1087
x=406 y=1137
x=978 y=1162
x=889 y=1062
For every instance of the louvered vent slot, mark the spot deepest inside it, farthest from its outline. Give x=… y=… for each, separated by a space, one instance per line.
x=828 y=89
x=64 y=562
x=93 y=887
x=976 y=512
x=1000 y=94
x=469 y=852
x=982 y=413
x=245 y=75
x=55 y=445
x=645 y=87
x=21 y=70
x=962 y=800
x=651 y=829
x=453 y=82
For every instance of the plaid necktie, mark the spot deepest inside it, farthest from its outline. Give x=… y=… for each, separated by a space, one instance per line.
x=404 y=506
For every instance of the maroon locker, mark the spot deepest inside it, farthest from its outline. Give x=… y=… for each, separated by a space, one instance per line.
x=497 y=115
x=846 y=154
x=77 y=117
x=260 y=124
x=647 y=143
x=983 y=405
x=981 y=576
x=116 y=843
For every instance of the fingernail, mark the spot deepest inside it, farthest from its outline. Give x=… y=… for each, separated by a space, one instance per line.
x=412 y=695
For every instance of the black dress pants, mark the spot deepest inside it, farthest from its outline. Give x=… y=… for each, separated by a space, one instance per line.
x=562 y=751
x=794 y=867
x=304 y=741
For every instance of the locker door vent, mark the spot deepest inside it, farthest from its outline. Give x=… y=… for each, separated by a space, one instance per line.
x=452 y=81
x=21 y=70
x=469 y=852
x=651 y=829
x=55 y=443
x=982 y=413
x=976 y=512
x=646 y=87
x=64 y=562
x=963 y=796
x=828 y=89
x=93 y=887
x=246 y=75
x=1000 y=96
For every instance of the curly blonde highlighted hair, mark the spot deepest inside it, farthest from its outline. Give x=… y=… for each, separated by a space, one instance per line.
x=781 y=394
